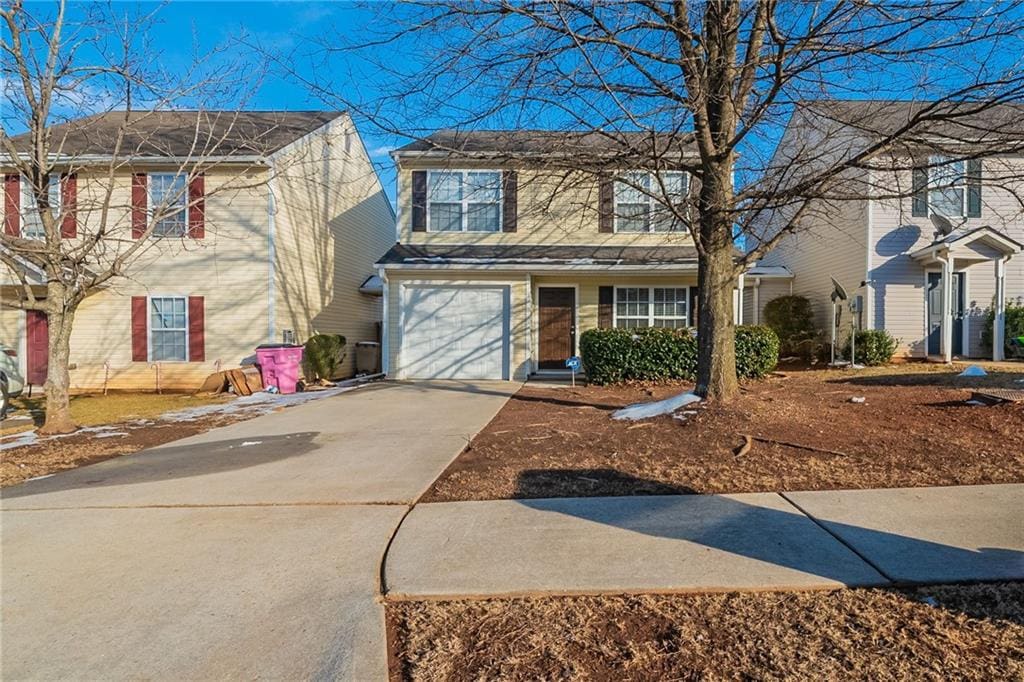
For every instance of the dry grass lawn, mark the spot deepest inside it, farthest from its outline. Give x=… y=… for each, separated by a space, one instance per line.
x=97 y=410
x=929 y=633
x=913 y=427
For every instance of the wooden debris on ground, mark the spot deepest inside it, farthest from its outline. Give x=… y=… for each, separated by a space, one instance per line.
x=748 y=443
x=994 y=396
x=244 y=381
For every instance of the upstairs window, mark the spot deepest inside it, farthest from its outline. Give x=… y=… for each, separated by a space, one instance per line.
x=32 y=223
x=948 y=187
x=651 y=307
x=464 y=201
x=639 y=198
x=168 y=198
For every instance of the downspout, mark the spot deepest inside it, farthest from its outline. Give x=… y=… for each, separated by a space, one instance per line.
x=869 y=283
x=385 y=335
x=271 y=259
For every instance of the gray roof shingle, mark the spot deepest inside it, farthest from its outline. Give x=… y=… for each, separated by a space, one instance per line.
x=548 y=142
x=183 y=133
x=530 y=254
x=961 y=121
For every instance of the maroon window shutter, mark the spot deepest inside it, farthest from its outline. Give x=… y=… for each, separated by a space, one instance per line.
x=69 y=204
x=140 y=329
x=510 y=201
x=605 y=305
x=197 y=207
x=196 y=330
x=419 y=201
x=606 y=204
x=139 y=205
x=12 y=204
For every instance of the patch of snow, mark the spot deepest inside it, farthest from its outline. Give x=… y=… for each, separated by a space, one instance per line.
x=973 y=402
x=262 y=402
x=111 y=434
x=639 y=411
x=858 y=399
x=974 y=371
x=246 y=443
x=18 y=440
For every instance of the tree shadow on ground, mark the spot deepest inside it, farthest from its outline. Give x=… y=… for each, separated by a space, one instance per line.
x=769 y=528
x=936 y=379
x=173 y=462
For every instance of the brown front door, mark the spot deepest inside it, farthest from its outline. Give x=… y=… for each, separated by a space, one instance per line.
x=556 y=311
x=37 y=353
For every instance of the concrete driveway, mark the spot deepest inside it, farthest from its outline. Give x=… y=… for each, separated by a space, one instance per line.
x=250 y=551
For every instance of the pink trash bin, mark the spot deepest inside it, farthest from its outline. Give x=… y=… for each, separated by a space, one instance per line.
x=279 y=364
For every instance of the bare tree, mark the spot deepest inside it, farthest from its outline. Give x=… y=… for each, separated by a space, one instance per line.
x=86 y=233
x=707 y=87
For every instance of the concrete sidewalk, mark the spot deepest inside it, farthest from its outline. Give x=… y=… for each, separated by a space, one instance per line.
x=247 y=552
x=708 y=542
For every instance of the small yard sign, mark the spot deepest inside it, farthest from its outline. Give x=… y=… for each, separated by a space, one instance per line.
x=574 y=364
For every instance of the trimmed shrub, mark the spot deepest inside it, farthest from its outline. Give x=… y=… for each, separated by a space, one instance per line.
x=654 y=354
x=874 y=347
x=648 y=354
x=757 y=351
x=1014 y=328
x=323 y=355
x=792 y=319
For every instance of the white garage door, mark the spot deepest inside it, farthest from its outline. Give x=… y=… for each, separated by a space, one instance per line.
x=454 y=332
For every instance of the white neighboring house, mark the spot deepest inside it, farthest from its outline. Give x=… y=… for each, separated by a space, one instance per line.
x=929 y=287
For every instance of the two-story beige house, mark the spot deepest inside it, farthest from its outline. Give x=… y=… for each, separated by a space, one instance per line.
x=271 y=242
x=503 y=259
x=924 y=264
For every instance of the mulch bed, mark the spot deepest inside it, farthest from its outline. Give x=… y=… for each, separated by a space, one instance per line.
x=929 y=633
x=913 y=429
x=51 y=455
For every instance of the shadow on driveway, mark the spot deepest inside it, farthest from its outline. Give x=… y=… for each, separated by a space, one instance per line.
x=173 y=462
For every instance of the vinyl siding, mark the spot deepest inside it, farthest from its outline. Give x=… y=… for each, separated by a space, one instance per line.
x=333 y=222
x=227 y=268
x=554 y=208
x=767 y=291
x=899 y=281
x=835 y=245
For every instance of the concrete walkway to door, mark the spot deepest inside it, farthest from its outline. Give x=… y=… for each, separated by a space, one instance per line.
x=250 y=551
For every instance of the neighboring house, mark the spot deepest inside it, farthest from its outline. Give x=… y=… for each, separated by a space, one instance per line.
x=503 y=259
x=927 y=267
x=291 y=221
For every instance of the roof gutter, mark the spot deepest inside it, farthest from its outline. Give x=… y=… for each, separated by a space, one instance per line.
x=91 y=159
x=558 y=267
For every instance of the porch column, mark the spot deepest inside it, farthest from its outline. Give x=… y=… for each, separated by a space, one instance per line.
x=947 y=309
x=999 y=321
x=739 y=298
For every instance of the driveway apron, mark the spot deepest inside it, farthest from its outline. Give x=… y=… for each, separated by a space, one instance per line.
x=250 y=551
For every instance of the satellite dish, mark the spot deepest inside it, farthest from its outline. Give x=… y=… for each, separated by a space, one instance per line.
x=838 y=292
x=942 y=224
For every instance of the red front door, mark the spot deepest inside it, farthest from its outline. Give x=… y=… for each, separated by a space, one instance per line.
x=37 y=353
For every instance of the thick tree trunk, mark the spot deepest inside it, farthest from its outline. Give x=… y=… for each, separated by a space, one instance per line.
x=58 y=381
x=716 y=340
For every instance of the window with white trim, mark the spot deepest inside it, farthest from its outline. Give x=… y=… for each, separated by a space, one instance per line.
x=652 y=307
x=947 y=187
x=640 y=197
x=464 y=201
x=32 y=223
x=168 y=197
x=168 y=328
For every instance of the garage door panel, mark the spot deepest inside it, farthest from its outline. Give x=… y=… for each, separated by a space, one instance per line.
x=455 y=332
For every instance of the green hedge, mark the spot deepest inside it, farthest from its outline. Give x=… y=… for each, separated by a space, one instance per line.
x=874 y=347
x=323 y=355
x=1014 y=328
x=654 y=354
x=792 y=318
